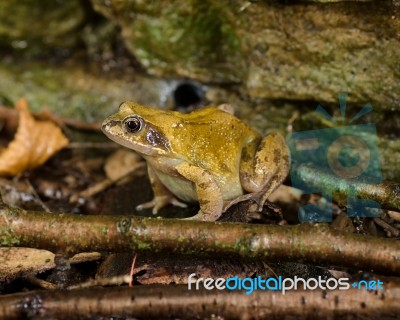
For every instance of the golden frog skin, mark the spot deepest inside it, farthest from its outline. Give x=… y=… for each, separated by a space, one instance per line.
x=208 y=155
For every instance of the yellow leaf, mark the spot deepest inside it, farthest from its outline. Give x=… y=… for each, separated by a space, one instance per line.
x=34 y=143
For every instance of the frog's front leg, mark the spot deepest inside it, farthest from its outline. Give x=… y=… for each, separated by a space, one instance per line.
x=263 y=168
x=162 y=196
x=207 y=190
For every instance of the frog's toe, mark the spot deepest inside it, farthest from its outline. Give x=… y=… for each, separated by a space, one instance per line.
x=203 y=216
x=175 y=202
x=146 y=205
x=160 y=202
x=151 y=204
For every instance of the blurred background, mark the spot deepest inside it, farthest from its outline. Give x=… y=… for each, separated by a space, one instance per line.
x=274 y=61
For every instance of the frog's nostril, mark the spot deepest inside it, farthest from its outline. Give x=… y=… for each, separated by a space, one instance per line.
x=109 y=124
x=188 y=94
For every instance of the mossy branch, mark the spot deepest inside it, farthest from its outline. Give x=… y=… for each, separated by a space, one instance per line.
x=387 y=194
x=309 y=243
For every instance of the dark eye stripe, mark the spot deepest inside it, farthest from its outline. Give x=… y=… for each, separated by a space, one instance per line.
x=155 y=138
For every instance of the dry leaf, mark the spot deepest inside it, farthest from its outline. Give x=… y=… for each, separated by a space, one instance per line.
x=85 y=257
x=34 y=143
x=16 y=262
x=121 y=163
x=20 y=262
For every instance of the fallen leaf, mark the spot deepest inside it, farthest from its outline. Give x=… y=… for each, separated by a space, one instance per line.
x=17 y=262
x=121 y=163
x=21 y=262
x=119 y=168
x=34 y=143
x=8 y=119
x=85 y=257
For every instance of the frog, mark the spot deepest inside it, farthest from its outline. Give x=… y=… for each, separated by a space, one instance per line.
x=207 y=156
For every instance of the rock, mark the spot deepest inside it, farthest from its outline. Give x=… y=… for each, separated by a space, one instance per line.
x=33 y=26
x=302 y=51
x=194 y=39
x=312 y=52
x=73 y=92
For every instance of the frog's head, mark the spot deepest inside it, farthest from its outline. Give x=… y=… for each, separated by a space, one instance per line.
x=139 y=128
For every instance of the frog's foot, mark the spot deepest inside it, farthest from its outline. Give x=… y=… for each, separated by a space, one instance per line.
x=203 y=216
x=197 y=216
x=160 y=202
x=257 y=197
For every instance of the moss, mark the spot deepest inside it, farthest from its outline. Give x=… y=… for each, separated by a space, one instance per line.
x=143 y=245
x=8 y=238
x=123 y=226
x=30 y=26
x=193 y=35
x=71 y=92
x=13 y=212
x=243 y=245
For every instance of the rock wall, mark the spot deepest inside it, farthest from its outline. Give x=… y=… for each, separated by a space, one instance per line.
x=273 y=49
x=270 y=59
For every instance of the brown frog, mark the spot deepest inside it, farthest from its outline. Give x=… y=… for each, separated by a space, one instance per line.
x=208 y=155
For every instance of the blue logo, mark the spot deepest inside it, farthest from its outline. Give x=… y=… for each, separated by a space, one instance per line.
x=347 y=153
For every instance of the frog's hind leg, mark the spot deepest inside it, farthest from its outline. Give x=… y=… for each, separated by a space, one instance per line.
x=162 y=196
x=263 y=168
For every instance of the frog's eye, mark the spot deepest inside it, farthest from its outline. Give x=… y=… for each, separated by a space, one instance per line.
x=133 y=124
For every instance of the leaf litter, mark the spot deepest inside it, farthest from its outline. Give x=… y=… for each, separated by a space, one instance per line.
x=34 y=143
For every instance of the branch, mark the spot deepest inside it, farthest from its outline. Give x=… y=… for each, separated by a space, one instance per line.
x=387 y=194
x=308 y=243
x=11 y=116
x=161 y=302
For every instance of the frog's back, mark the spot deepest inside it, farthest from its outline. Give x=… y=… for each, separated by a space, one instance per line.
x=213 y=139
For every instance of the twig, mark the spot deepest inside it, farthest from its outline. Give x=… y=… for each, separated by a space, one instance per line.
x=118 y=280
x=161 y=302
x=131 y=272
x=92 y=145
x=387 y=194
x=35 y=194
x=92 y=190
x=40 y=282
x=309 y=243
x=295 y=115
x=106 y=183
x=12 y=116
x=393 y=231
x=46 y=114
x=394 y=215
